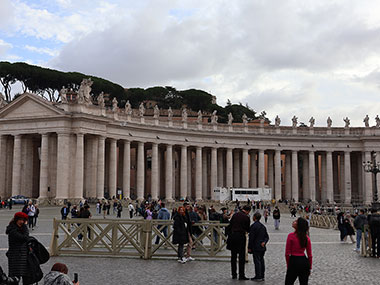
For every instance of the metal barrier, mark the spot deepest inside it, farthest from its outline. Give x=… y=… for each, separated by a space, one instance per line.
x=322 y=221
x=366 y=242
x=137 y=238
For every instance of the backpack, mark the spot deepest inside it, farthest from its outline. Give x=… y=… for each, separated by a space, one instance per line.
x=38 y=250
x=34 y=270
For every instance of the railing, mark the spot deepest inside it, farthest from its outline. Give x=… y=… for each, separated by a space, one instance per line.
x=366 y=242
x=322 y=221
x=138 y=238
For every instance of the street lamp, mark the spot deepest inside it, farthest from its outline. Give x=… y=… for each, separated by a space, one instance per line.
x=373 y=167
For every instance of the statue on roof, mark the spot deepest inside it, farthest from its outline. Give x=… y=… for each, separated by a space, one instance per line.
x=84 y=96
x=214 y=118
x=329 y=122
x=62 y=94
x=347 y=122
x=100 y=100
x=377 y=119
x=156 y=112
x=245 y=119
x=230 y=118
x=277 y=121
x=128 y=108
x=199 y=118
x=312 y=122
x=170 y=114
x=114 y=104
x=295 y=121
x=141 y=110
x=184 y=115
x=366 y=121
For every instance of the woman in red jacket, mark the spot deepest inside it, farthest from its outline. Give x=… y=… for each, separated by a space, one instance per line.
x=298 y=265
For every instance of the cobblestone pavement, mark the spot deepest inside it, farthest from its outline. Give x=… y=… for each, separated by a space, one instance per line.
x=334 y=263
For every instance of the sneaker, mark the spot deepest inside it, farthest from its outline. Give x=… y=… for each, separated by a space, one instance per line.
x=357 y=249
x=182 y=261
x=190 y=258
x=257 y=279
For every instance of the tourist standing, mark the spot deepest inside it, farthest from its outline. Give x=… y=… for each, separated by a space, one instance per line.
x=258 y=238
x=359 y=222
x=298 y=265
x=163 y=214
x=276 y=217
x=18 y=235
x=341 y=226
x=374 y=225
x=180 y=234
x=237 y=241
x=266 y=214
x=119 y=209
x=31 y=210
x=64 y=212
x=74 y=212
x=131 y=210
x=349 y=226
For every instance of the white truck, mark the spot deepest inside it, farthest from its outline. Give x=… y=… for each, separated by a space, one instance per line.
x=224 y=194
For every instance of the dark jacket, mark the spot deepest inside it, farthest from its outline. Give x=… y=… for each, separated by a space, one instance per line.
x=257 y=234
x=239 y=227
x=360 y=221
x=180 y=232
x=276 y=214
x=374 y=223
x=17 y=249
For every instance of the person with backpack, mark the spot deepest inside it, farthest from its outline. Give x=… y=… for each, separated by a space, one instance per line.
x=18 y=236
x=119 y=208
x=374 y=226
x=359 y=222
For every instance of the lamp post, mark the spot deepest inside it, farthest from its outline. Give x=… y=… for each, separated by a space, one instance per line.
x=373 y=167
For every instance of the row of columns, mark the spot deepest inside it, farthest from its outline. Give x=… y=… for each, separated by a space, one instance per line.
x=227 y=168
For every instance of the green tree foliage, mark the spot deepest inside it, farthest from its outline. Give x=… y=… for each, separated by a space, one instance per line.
x=47 y=82
x=237 y=111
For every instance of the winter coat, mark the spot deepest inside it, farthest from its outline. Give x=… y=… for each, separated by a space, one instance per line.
x=360 y=221
x=180 y=232
x=57 y=278
x=17 y=249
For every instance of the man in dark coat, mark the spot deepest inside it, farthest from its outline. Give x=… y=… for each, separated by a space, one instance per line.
x=374 y=226
x=237 y=241
x=180 y=233
x=18 y=235
x=258 y=238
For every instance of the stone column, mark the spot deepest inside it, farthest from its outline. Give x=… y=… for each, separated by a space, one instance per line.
x=306 y=178
x=347 y=178
x=79 y=167
x=189 y=176
x=244 y=169
x=140 y=185
x=154 y=175
x=236 y=169
x=253 y=180
x=221 y=168
x=169 y=173
x=277 y=175
x=323 y=178
x=214 y=172
x=312 y=175
x=101 y=168
x=229 y=168
x=295 y=176
x=198 y=174
x=288 y=176
x=368 y=190
x=204 y=173
x=16 y=169
x=63 y=166
x=3 y=192
x=270 y=171
x=261 y=169
x=44 y=166
x=112 y=168
x=329 y=177
x=127 y=169
x=183 y=185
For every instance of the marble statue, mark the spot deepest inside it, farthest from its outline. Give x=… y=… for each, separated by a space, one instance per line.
x=295 y=121
x=170 y=114
x=347 y=122
x=114 y=104
x=214 y=118
x=277 y=121
x=156 y=112
x=245 y=119
x=184 y=115
x=377 y=119
x=329 y=122
x=2 y=100
x=63 y=93
x=128 y=108
x=312 y=122
x=199 y=118
x=100 y=100
x=141 y=110
x=84 y=96
x=366 y=121
x=230 y=119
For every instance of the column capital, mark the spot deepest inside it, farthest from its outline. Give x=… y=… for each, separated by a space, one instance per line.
x=100 y=137
x=79 y=134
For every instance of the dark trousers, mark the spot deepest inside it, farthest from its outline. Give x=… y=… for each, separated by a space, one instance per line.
x=234 y=255
x=180 y=250
x=130 y=214
x=375 y=235
x=299 y=267
x=31 y=221
x=343 y=232
x=258 y=260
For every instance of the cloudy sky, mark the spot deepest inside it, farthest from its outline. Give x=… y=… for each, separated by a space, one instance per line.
x=287 y=57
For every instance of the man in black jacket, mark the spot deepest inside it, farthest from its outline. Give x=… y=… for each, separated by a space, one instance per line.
x=237 y=241
x=374 y=225
x=258 y=238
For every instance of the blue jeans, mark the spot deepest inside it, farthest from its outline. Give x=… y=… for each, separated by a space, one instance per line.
x=164 y=230
x=276 y=223
x=358 y=238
